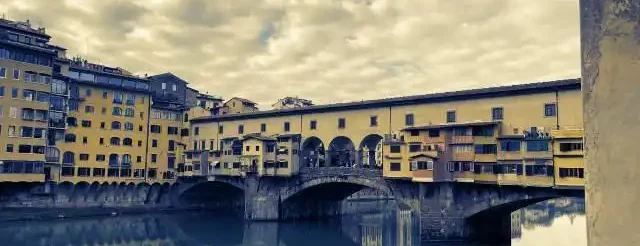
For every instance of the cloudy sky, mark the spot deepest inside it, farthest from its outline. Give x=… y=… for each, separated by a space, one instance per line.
x=323 y=50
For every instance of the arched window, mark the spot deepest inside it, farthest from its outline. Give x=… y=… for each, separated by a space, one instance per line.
x=117 y=111
x=127 y=142
x=113 y=160
x=126 y=159
x=128 y=126
x=129 y=112
x=115 y=141
x=186 y=117
x=115 y=125
x=68 y=158
x=69 y=138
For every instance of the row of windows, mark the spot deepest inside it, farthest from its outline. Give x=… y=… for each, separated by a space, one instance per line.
x=171 y=130
x=114 y=160
x=21 y=167
x=115 y=125
x=24 y=56
x=166 y=115
x=27 y=113
x=27 y=95
x=25 y=149
x=110 y=172
x=113 y=141
x=517 y=169
x=27 y=76
x=114 y=81
x=25 y=132
x=497 y=114
x=129 y=99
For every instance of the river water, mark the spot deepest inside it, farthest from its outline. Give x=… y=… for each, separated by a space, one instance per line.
x=559 y=222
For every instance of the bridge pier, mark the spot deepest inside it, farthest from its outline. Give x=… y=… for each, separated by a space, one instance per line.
x=261 y=201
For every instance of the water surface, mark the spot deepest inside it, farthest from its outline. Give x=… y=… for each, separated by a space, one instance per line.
x=558 y=222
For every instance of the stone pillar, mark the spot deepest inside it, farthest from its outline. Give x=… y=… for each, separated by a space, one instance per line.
x=610 y=38
x=260 y=203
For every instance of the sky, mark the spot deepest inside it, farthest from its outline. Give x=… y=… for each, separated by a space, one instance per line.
x=327 y=51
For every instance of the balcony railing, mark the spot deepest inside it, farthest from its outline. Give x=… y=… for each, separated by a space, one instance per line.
x=465 y=139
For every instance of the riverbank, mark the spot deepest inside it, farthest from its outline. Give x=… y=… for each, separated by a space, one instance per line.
x=45 y=214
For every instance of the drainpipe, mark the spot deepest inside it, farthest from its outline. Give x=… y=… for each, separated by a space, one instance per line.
x=146 y=151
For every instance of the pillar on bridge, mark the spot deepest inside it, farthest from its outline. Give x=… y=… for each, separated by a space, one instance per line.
x=610 y=37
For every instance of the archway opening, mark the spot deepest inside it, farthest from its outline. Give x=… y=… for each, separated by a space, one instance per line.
x=216 y=197
x=370 y=151
x=342 y=152
x=313 y=154
x=322 y=200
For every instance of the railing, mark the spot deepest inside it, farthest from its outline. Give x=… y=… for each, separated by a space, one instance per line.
x=340 y=171
x=467 y=139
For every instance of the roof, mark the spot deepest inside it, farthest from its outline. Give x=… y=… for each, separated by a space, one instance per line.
x=292 y=135
x=258 y=137
x=242 y=100
x=423 y=155
x=501 y=91
x=168 y=74
x=77 y=67
x=27 y=46
x=24 y=27
x=202 y=95
x=450 y=125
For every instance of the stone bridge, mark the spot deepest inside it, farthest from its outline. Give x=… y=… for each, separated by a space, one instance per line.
x=447 y=210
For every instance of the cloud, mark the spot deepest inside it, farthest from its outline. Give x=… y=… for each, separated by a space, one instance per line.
x=324 y=50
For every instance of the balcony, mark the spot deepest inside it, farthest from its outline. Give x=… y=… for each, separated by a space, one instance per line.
x=538 y=154
x=226 y=172
x=485 y=158
x=413 y=139
x=52 y=155
x=464 y=139
x=509 y=155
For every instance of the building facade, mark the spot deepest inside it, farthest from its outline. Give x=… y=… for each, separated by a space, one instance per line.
x=500 y=135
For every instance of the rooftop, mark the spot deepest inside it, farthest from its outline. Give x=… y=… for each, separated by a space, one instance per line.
x=24 y=26
x=450 y=125
x=102 y=69
x=521 y=89
x=243 y=100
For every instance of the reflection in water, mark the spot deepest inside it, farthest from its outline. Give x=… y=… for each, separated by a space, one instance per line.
x=559 y=222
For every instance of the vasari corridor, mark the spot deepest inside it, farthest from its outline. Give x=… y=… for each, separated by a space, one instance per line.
x=426 y=122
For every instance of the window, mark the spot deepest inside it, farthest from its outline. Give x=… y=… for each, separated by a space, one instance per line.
x=115 y=141
x=415 y=148
x=116 y=111
x=172 y=130
x=451 y=116
x=421 y=165
x=139 y=143
x=69 y=138
x=184 y=132
x=257 y=148
x=287 y=126
x=67 y=171
x=115 y=125
x=211 y=144
x=408 y=119
x=395 y=166
x=373 y=121
x=240 y=129
x=342 y=123
x=11 y=131
x=39 y=132
x=571 y=173
x=434 y=133
x=9 y=148
x=117 y=97
x=28 y=95
x=510 y=145
x=127 y=142
x=1 y=91
x=154 y=158
x=128 y=126
x=129 y=112
x=84 y=157
x=105 y=95
x=155 y=129
x=86 y=123
x=154 y=143
x=98 y=172
x=196 y=131
x=394 y=148
x=497 y=113
x=104 y=110
x=100 y=157
x=3 y=72
x=313 y=125
x=138 y=159
x=68 y=158
x=414 y=133
x=13 y=112
x=174 y=87
x=131 y=99
x=16 y=74
x=164 y=86
x=14 y=92
x=263 y=127
x=26 y=132
x=172 y=146
x=140 y=128
x=101 y=141
x=539 y=145
x=566 y=147
x=485 y=131
x=84 y=140
x=485 y=149
x=550 y=109
x=87 y=92
x=88 y=109
x=220 y=129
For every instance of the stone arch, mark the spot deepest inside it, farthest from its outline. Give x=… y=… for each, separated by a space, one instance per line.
x=64 y=192
x=323 y=196
x=370 y=150
x=215 y=195
x=164 y=196
x=80 y=192
x=94 y=192
x=130 y=192
x=341 y=152
x=103 y=193
x=141 y=193
x=153 y=194
x=313 y=152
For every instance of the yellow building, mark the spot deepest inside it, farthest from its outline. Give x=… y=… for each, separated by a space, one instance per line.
x=107 y=124
x=25 y=84
x=568 y=158
x=238 y=105
x=497 y=135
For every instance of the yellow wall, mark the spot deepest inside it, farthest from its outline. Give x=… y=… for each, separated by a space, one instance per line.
x=162 y=151
x=95 y=132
